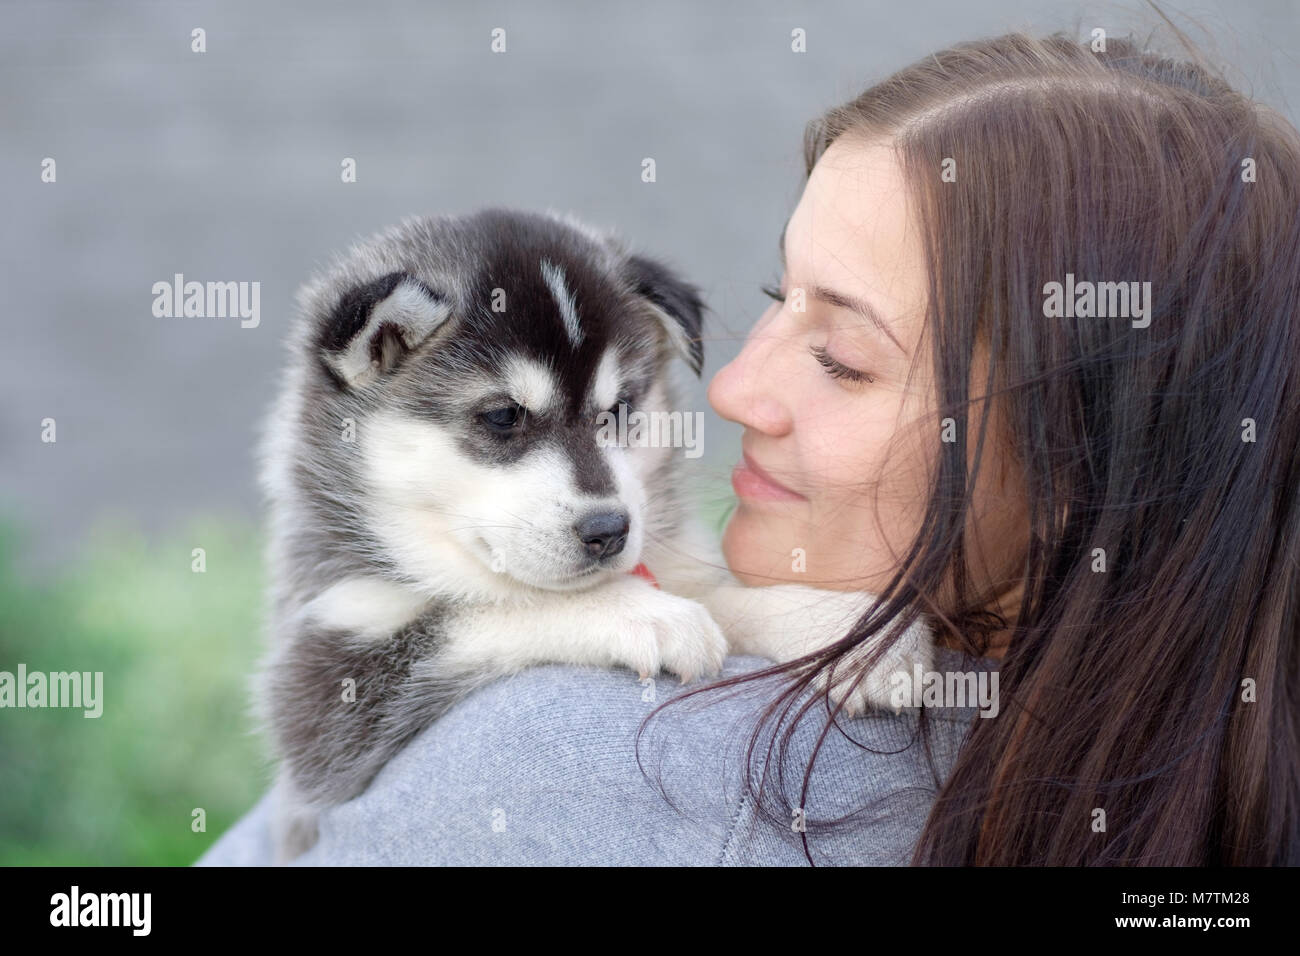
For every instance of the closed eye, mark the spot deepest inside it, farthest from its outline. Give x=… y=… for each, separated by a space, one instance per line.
x=837 y=369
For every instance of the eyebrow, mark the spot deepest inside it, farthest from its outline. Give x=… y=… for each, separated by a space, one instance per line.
x=841 y=301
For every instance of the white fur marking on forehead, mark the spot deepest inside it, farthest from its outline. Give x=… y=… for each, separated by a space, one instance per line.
x=605 y=388
x=530 y=383
x=554 y=277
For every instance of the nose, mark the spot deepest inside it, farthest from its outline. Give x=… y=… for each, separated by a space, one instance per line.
x=604 y=533
x=753 y=388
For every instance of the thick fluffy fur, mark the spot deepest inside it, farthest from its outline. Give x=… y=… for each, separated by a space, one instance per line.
x=419 y=548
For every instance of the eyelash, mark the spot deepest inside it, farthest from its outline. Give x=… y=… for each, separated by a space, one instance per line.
x=838 y=369
x=833 y=368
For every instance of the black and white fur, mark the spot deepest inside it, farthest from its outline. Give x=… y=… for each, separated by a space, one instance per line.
x=418 y=549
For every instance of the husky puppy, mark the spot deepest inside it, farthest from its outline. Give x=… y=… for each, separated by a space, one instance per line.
x=443 y=513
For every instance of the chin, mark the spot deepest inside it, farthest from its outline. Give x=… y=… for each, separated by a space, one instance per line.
x=754 y=554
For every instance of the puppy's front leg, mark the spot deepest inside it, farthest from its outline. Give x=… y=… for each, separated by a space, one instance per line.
x=625 y=622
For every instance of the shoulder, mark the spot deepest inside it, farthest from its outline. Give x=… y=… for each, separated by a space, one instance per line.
x=544 y=767
x=872 y=782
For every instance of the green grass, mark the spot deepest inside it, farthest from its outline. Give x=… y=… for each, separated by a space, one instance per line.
x=174 y=647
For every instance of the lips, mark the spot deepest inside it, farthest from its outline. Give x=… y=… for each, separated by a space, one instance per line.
x=753 y=483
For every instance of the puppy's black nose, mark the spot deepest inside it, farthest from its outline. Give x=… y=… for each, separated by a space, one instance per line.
x=604 y=533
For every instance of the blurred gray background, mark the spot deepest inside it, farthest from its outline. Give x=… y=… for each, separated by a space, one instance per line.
x=226 y=166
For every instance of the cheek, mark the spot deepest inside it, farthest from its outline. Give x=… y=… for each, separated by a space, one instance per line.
x=868 y=485
x=856 y=447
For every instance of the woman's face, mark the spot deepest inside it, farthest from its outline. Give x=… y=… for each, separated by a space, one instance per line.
x=836 y=457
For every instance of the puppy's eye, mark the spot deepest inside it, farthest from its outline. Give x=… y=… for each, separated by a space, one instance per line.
x=623 y=406
x=506 y=419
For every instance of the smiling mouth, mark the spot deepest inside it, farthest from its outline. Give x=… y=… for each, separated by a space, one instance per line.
x=752 y=483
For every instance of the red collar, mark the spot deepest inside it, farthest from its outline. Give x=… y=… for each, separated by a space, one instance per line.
x=642 y=571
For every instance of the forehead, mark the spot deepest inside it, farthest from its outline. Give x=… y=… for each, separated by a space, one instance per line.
x=544 y=321
x=854 y=229
x=535 y=289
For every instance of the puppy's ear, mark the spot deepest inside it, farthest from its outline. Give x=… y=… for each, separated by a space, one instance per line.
x=677 y=305
x=374 y=326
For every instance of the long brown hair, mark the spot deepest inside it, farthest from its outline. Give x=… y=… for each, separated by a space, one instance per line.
x=1164 y=690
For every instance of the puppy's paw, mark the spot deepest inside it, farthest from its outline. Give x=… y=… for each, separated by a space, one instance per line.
x=664 y=631
x=691 y=644
x=878 y=689
x=634 y=644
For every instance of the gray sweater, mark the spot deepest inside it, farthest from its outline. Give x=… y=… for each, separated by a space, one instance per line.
x=540 y=768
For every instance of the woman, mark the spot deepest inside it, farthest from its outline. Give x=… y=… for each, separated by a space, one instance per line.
x=1034 y=371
